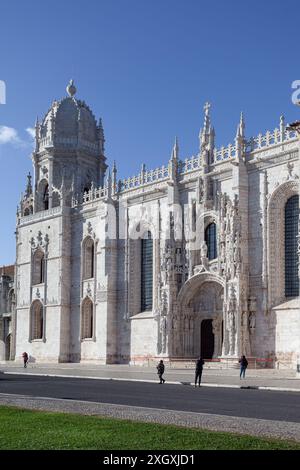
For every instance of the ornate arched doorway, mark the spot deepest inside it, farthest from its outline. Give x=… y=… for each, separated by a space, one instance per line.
x=199 y=326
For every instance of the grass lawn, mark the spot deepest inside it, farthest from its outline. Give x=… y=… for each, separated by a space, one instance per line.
x=25 y=429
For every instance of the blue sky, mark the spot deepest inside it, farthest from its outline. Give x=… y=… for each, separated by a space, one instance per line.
x=147 y=68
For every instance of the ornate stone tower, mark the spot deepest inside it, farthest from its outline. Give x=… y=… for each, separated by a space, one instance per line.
x=69 y=153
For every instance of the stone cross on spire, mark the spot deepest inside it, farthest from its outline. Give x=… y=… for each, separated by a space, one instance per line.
x=207 y=108
x=206 y=126
x=206 y=130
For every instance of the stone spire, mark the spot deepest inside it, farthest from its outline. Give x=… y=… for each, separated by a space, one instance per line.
x=175 y=151
x=240 y=133
x=282 y=127
x=207 y=138
x=240 y=138
x=114 y=178
x=205 y=131
x=173 y=163
x=29 y=186
x=71 y=89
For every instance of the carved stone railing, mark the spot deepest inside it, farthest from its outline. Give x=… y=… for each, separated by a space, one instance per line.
x=269 y=139
x=87 y=197
x=189 y=164
x=225 y=153
x=184 y=167
x=40 y=215
x=145 y=177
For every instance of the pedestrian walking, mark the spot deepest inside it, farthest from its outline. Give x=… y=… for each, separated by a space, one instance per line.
x=25 y=359
x=198 y=371
x=244 y=364
x=160 y=370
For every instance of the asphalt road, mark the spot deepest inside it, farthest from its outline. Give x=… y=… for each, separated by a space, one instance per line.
x=280 y=406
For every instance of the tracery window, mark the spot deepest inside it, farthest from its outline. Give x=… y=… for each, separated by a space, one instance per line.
x=38 y=268
x=291 y=247
x=37 y=320
x=211 y=241
x=87 y=319
x=88 y=258
x=46 y=198
x=146 y=272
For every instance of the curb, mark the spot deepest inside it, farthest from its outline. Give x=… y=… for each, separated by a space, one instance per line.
x=117 y=379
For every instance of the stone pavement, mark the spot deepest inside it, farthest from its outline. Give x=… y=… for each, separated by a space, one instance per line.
x=283 y=380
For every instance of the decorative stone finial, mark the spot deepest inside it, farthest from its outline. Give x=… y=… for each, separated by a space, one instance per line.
x=175 y=151
x=71 y=89
x=241 y=127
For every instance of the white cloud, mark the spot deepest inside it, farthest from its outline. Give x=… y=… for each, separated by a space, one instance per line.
x=9 y=135
x=31 y=132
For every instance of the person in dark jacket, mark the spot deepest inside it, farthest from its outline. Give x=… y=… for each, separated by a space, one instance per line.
x=198 y=371
x=160 y=370
x=244 y=364
x=25 y=359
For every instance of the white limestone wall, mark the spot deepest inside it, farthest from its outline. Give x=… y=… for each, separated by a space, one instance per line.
x=91 y=221
x=38 y=350
x=50 y=349
x=144 y=338
x=287 y=328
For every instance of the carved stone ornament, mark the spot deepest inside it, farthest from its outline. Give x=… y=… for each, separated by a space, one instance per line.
x=39 y=241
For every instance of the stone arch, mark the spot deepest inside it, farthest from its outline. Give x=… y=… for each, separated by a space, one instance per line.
x=43 y=195
x=11 y=300
x=37 y=320
x=201 y=298
x=88 y=258
x=87 y=319
x=38 y=267
x=276 y=251
x=188 y=289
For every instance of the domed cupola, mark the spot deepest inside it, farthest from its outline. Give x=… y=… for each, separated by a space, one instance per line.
x=69 y=148
x=70 y=123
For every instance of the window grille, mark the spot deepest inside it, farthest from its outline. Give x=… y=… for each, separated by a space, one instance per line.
x=291 y=247
x=87 y=319
x=37 y=320
x=147 y=273
x=211 y=241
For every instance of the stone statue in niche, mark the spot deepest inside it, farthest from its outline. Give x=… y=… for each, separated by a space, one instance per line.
x=163 y=333
x=252 y=322
x=178 y=257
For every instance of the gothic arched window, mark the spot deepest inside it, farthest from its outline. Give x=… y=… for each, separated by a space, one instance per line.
x=11 y=301
x=37 y=320
x=88 y=258
x=211 y=241
x=87 y=319
x=146 y=272
x=291 y=247
x=38 y=268
x=46 y=198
